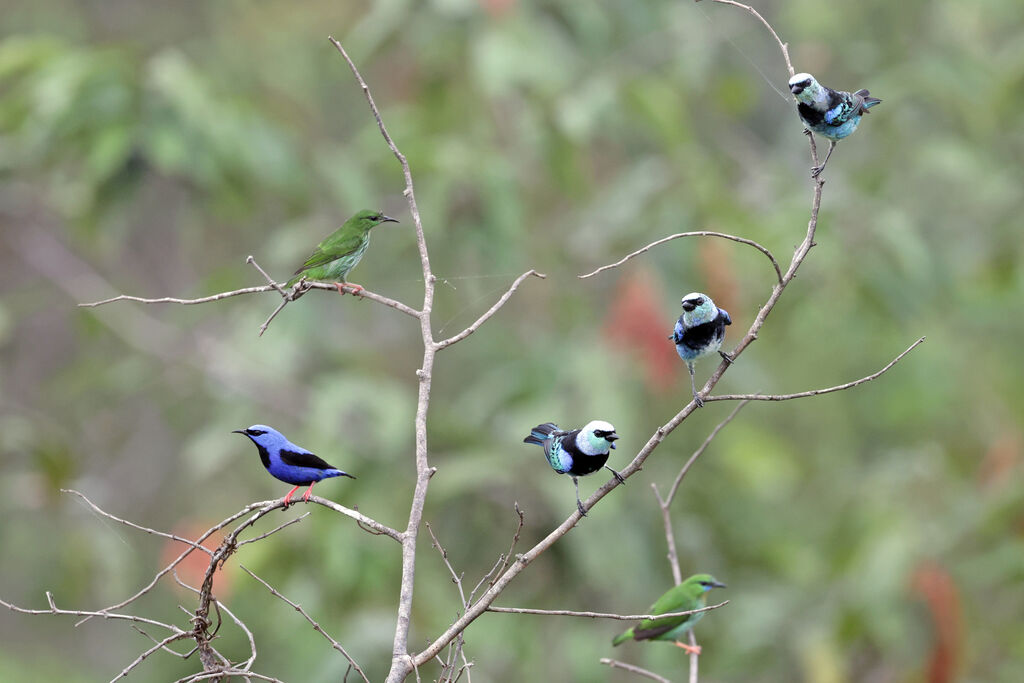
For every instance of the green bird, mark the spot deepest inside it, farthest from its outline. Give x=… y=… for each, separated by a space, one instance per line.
x=339 y=253
x=690 y=594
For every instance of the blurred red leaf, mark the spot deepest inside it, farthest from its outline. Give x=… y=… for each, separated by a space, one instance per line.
x=936 y=587
x=192 y=569
x=635 y=321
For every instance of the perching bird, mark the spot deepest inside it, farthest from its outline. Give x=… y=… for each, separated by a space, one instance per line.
x=833 y=114
x=578 y=452
x=288 y=462
x=689 y=595
x=339 y=253
x=698 y=332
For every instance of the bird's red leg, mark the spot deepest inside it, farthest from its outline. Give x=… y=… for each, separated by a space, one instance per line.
x=356 y=289
x=305 y=496
x=692 y=649
x=288 y=498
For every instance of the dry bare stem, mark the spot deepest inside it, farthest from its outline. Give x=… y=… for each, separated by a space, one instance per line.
x=632 y=668
x=316 y=627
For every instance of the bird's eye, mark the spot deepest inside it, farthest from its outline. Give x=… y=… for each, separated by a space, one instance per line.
x=257 y=432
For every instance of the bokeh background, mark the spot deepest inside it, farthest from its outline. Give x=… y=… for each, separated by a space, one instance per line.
x=148 y=148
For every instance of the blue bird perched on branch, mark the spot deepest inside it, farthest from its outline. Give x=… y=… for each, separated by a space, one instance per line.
x=289 y=463
x=578 y=452
x=698 y=332
x=833 y=114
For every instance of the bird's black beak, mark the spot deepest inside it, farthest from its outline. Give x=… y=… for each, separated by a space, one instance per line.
x=389 y=219
x=718 y=584
x=239 y=431
x=796 y=88
x=688 y=306
x=611 y=439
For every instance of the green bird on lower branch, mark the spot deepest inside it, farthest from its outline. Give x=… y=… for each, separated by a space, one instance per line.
x=689 y=595
x=339 y=253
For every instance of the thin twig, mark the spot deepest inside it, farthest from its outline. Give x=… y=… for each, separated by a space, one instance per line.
x=270 y=280
x=89 y=614
x=814 y=392
x=700 y=233
x=697 y=453
x=782 y=46
x=274 y=530
x=491 y=311
x=325 y=286
x=694 y=657
x=138 y=660
x=616 y=664
x=456 y=577
x=316 y=627
x=665 y=504
x=100 y=511
x=601 y=615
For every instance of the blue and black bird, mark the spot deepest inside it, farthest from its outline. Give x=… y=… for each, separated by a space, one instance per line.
x=578 y=452
x=289 y=463
x=833 y=114
x=698 y=332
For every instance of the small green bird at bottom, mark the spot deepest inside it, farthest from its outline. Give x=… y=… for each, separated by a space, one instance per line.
x=689 y=595
x=339 y=253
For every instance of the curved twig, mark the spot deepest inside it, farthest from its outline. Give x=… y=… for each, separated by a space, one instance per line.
x=490 y=312
x=316 y=627
x=699 y=233
x=782 y=46
x=814 y=392
x=632 y=668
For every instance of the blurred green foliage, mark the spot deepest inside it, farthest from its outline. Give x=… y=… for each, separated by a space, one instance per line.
x=148 y=148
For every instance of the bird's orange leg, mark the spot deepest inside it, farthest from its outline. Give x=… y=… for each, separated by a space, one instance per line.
x=356 y=289
x=305 y=496
x=692 y=649
x=288 y=498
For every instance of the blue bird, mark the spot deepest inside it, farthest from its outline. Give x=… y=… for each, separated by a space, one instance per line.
x=578 y=452
x=289 y=463
x=833 y=114
x=698 y=332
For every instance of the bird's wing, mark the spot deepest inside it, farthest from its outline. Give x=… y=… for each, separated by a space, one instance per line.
x=333 y=248
x=844 y=105
x=304 y=459
x=675 y=600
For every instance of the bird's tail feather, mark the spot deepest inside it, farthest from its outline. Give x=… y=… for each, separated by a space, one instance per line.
x=622 y=637
x=339 y=473
x=541 y=432
x=868 y=101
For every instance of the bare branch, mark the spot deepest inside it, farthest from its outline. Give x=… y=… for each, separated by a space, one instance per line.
x=616 y=664
x=456 y=578
x=700 y=233
x=367 y=523
x=316 y=627
x=814 y=392
x=664 y=505
x=326 y=286
x=601 y=615
x=491 y=311
x=697 y=453
x=270 y=280
x=100 y=511
x=693 y=658
x=401 y=662
x=89 y=614
x=138 y=660
x=274 y=530
x=782 y=46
